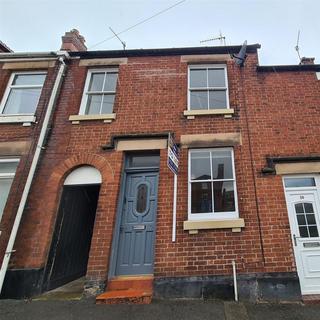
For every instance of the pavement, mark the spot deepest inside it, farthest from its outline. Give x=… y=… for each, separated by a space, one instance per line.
x=157 y=310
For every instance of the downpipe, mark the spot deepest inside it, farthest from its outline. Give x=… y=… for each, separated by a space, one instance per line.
x=235 y=286
x=50 y=108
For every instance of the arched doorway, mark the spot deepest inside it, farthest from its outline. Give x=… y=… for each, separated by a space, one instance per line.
x=69 y=251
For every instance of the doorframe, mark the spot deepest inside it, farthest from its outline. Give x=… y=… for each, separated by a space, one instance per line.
x=116 y=230
x=297 y=190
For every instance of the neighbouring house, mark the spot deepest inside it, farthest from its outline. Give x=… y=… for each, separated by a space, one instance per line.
x=84 y=137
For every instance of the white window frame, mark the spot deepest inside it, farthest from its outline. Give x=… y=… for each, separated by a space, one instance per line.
x=7 y=175
x=208 y=89
x=212 y=215
x=10 y=86
x=316 y=178
x=85 y=95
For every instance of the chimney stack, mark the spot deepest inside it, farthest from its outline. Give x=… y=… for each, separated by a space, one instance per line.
x=73 y=41
x=305 y=61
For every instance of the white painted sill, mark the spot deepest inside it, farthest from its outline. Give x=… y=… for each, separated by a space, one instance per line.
x=191 y=114
x=193 y=226
x=25 y=119
x=106 y=118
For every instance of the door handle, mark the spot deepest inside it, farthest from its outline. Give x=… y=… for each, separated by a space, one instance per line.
x=295 y=239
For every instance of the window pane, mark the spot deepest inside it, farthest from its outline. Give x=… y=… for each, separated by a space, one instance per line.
x=142 y=195
x=221 y=165
x=5 y=185
x=216 y=78
x=301 y=220
x=22 y=100
x=142 y=161
x=8 y=167
x=111 y=81
x=96 y=81
x=29 y=79
x=223 y=196
x=313 y=231
x=201 y=197
x=308 y=207
x=299 y=208
x=304 y=232
x=93 y=104
x=217 y=99
x=299 y=182
x=198 y=100
x=198 y=78
x=200 y=166
x=107 y=104
x=311 y=219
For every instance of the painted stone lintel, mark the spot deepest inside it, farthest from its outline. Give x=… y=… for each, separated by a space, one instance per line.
x=103 y=62
x=211 y=140
x=141 y=144
x=29 y=65
x=194 y=226
x=14 y=148
x=297 y=167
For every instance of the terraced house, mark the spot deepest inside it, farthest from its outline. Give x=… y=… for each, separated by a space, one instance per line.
x=86 y=190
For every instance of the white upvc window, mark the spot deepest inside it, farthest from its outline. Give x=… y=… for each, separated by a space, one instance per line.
x=7 y=171
x=22 y=94
x=212 y=192
x=99 y=92
x=208 y=87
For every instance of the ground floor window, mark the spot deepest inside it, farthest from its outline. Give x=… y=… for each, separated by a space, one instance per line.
x=212 y=184
x=7 y=171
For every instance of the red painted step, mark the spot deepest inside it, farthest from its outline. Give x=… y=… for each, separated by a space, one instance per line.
x=131 y=290
x=138 y=282
x=129 y=296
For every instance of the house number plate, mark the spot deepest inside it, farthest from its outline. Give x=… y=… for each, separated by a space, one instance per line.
x=311 y=244
x=139 y=227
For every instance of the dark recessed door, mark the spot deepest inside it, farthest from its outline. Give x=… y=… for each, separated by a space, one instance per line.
x=137 y=227
x=70 y=246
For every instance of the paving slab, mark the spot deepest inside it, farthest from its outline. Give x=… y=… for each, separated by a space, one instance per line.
x=235 y=311
x=295 y=311
x=87 y=309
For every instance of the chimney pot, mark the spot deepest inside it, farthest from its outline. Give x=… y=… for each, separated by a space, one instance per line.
x=73 y=41
x=305 y=60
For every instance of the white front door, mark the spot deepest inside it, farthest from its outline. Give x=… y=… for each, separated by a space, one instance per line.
x=304 y=215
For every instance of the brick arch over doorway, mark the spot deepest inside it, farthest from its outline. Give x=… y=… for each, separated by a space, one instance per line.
x=105 y=214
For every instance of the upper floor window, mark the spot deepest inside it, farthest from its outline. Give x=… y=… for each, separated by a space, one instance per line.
x=23 y=93
x=99 y=92
x=212 y=184
x=208 y=87
x=7 y=171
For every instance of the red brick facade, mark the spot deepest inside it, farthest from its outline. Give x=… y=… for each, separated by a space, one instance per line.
x=275 y=112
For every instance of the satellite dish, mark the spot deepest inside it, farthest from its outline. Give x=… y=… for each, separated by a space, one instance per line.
x=240 y=58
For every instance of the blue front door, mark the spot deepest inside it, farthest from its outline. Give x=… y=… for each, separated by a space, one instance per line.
x=137 y=226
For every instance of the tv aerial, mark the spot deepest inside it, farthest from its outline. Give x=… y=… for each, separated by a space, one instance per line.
x=297 y=46
x=221 y=38
x=240 y=58
x=122 y=42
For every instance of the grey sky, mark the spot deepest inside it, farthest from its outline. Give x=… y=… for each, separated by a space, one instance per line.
x=29 y=25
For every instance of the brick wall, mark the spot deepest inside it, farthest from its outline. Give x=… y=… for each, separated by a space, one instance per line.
x=276 y=115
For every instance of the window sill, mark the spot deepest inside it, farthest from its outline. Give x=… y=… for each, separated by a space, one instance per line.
x=191 y=114
x=194 y=226
x=107 y=118
x=25 y=119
